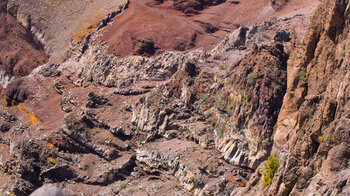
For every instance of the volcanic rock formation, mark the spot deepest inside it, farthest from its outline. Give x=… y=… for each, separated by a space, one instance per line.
x=246 y=106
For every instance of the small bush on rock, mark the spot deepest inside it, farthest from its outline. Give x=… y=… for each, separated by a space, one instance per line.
x=208 y=113
x=302 y=74
x=204 y=97
x=251 y=78
x=105 y=177
x=222 y=67
x=193 y=179
x=85 y=167
x=266 y=142
x=271 y=167
x=122 y=186
x=343 y=53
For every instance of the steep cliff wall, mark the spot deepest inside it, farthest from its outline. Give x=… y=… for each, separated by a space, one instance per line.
x=312 y=135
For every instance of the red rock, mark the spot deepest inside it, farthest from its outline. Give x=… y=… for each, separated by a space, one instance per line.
x=20 y=52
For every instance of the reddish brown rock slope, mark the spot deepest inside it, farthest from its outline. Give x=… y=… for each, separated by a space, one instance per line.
x=150 y=27
x=20 y=53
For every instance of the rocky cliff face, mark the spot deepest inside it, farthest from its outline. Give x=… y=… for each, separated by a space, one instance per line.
x=248 y=105
x=188 y=123
x=312 y=133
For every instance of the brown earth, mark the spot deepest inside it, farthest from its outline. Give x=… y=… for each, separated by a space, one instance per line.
x=150 y=27
x=135 y=32
x=20 y=52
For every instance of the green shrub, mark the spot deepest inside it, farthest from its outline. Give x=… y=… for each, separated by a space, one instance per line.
x=251 y=78
x=213 y=123
x=244 y=96
x=221 y=133
x=208 y=113
x=201 y=110
x=222 y=67
x=131 y=191
x=249 y=104
x=271 y=167
x=85 y=167
x=204 y=97
x=105 y=177
x=343 y=53
x=266 y=142
x=228 y=103
x=277 y=87
x=217 y=99
x=302 y=74
x=193 y=179
x=122 y=186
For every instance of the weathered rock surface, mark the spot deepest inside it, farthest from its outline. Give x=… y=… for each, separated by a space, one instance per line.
x=248 y=105
x=312 y=133
x=186 y=123
x=48 y=190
